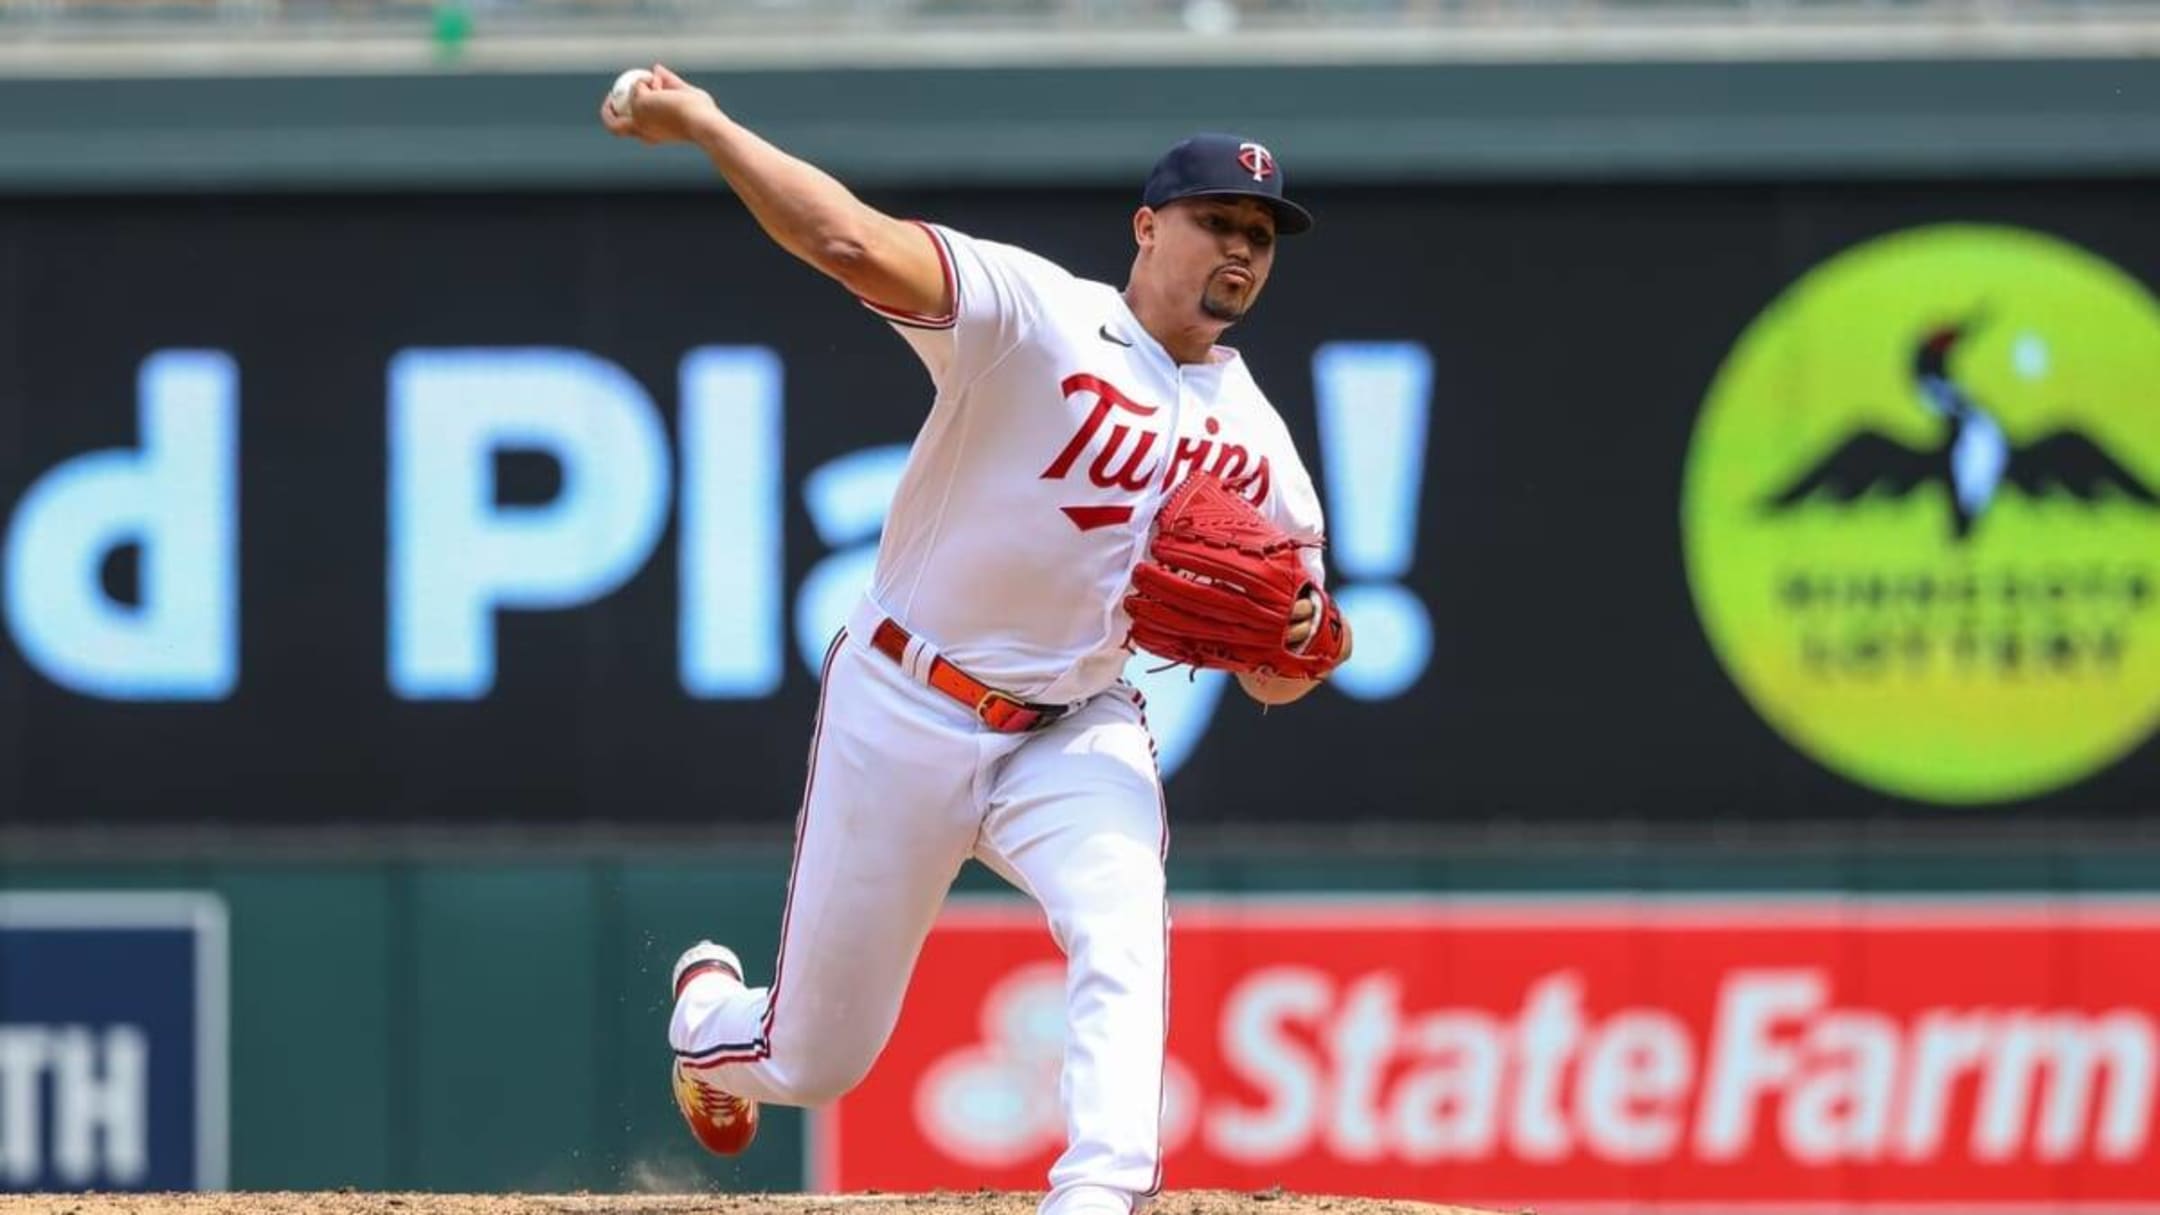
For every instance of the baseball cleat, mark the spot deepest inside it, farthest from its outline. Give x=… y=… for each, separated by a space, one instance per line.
x=723 y=1122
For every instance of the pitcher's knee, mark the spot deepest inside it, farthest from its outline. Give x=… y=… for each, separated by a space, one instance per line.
x=1110 y=878
x=1134 y=924
x=815 y=1082
x=1122 y=950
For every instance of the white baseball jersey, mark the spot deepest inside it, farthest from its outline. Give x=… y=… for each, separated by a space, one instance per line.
x=1058 y=428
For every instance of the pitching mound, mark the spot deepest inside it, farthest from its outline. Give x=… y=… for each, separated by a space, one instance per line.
x=1272 y=1202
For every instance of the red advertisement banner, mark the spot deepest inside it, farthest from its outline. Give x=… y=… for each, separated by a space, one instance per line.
x=1730 y=1054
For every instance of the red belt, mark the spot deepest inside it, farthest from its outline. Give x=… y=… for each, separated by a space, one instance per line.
x=1001 y=711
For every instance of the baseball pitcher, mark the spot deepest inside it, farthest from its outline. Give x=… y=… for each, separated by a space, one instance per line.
x=1096 y=474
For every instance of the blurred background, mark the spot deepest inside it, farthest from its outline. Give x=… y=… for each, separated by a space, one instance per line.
x=1739 y=425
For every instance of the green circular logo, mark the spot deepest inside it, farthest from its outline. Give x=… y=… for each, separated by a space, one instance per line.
x=1922 y=513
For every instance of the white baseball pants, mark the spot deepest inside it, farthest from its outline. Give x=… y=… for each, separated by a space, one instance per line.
x=904 y=786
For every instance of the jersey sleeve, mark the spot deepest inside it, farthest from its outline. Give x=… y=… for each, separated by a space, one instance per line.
x=999 y=294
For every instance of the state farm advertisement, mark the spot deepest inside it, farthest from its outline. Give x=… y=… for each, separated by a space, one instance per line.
x=1726 y=1054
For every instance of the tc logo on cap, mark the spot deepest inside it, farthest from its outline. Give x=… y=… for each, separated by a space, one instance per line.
x=1257 y=160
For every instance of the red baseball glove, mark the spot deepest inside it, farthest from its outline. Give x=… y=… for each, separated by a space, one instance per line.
x=1217 y=585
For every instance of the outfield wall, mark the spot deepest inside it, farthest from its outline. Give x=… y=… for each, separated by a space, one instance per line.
x=498 y=1024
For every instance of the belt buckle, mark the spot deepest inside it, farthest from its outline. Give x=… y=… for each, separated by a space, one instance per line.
x=992 y=696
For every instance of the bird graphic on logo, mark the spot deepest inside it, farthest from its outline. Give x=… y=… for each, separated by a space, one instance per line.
x=1975 y=460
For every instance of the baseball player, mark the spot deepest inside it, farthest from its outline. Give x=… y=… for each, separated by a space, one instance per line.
x=1094 y=473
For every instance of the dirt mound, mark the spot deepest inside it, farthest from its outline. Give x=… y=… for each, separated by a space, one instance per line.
x=1200 y=1202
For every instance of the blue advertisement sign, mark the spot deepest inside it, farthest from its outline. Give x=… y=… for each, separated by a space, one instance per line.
x=459 y=526
x=113 y=1041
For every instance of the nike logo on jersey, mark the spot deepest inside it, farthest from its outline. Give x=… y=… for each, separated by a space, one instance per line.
x=1105 y=334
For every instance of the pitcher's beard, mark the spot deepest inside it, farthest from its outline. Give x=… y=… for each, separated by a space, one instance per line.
x=1221 y=309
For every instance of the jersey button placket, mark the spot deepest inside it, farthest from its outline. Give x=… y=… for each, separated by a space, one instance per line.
x=1185 y=399
x=1158 y=485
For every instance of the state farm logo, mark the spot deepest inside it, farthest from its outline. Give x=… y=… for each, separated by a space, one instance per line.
x=995 y=1104
x=1349 y=1070
x=1639 y=1055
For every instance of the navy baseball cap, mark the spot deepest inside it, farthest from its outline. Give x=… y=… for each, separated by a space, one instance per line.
x=1212 y=165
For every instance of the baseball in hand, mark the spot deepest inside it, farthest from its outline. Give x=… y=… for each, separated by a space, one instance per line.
x=623 y=97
